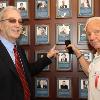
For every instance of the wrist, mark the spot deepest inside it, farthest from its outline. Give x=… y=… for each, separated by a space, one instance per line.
x=79 y=56
x=77 y=52
x=49 y=56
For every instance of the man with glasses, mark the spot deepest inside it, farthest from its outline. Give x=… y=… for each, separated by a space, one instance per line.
x=92 y=69
x=15 y=71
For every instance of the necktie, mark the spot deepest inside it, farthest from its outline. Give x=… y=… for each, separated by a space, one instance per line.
x=21 y=74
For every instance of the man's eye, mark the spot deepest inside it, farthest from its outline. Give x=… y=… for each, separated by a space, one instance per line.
x=97 y=31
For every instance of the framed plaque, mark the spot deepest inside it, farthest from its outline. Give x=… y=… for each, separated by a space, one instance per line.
x=64 y=87
x=41 y=87
x=3 y=4
x=88 y=56
x=22 y=6
x=40 y=54
x=83 y=87
x=64 y=61
x=82 y=39
x=85 y=8
x=42 y=9
x=24 y=37
x=41 y=34
x=63 y=9
x=63 y=32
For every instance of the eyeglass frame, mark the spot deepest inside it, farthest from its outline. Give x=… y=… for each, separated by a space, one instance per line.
x=14 y=20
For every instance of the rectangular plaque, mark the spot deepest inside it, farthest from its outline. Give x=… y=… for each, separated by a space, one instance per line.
x=64 y=61
x=41 y=34
x=85 y=8
x=82 y=39
x=63 y=32
x=41 y=87
x=25 y=35
x=64 y=89
x=40 y=54
x=83 y=88
x=22 y=6
x=42 y=9
x=63 y=9
x=3 y=4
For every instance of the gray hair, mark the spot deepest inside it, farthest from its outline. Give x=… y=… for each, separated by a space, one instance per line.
x=90 y=20
x=2 y=13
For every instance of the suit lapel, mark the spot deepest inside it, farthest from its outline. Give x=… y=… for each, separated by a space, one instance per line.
x=5 y=57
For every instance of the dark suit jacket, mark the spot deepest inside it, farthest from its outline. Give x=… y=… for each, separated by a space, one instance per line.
x=10 y=84
x=44 y=86
x=64 y=87
x=22 y=8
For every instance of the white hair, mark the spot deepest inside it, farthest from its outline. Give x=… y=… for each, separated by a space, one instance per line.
x=6 y=9
x=90 y=20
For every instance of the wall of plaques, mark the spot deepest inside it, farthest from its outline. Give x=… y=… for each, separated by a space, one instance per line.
x=49 y=22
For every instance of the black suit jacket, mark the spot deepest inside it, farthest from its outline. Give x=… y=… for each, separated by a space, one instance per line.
x=10 y=84
x=64 y=87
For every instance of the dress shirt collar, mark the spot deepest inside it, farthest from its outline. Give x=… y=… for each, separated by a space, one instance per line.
x=9 y=45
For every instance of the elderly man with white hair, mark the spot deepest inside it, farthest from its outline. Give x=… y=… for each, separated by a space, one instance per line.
x=15 y=70
x=92 y=69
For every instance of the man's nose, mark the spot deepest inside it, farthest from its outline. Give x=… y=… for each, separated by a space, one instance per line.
x=18 y=24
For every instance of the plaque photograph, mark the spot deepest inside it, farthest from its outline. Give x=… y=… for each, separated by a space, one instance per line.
x=41 y=34
x=42 y=9
x=63 y=9
x=83 y=88
x=82 y=39
x=41 y=87
x=3 y=4
x=64 y=61
x=24 y=37
x=63 y=32
x=85 y=8
x=41 y=54
x=64 y=87
x=22 y=6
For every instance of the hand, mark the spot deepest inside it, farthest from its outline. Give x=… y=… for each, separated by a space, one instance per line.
x=53 y=52
x=74 y=48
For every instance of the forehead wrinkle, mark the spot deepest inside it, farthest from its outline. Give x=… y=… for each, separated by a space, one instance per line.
x=14 y=15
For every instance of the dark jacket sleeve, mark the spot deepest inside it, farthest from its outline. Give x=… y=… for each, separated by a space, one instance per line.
x=38 y=65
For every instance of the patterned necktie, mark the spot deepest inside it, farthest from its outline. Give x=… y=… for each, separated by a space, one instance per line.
x=21 y=74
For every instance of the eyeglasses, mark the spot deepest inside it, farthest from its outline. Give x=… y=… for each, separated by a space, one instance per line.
x=12 y=20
